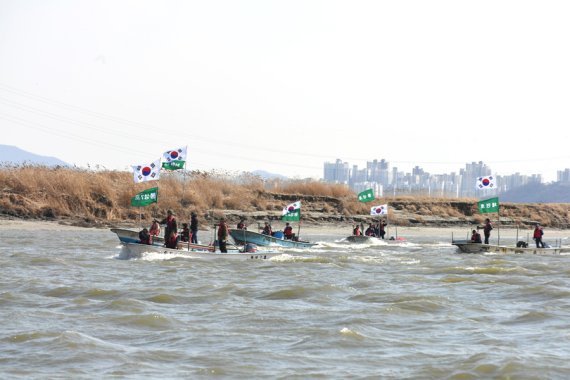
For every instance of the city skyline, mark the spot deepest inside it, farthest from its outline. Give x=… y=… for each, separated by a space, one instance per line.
x=284 y=86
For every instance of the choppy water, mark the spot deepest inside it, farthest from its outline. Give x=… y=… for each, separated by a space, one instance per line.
x=71 y=309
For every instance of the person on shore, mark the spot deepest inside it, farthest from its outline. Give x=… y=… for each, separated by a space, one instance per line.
x=382 y=229
x=154 y=228
x=487 y=230
x=241 y=224
x=194 y=227
x=145 y=237
x=475 y=237
x=356 y=230
x=185 y=234
x=288 y=231
x=223 y=233
x=370 y=231
x=171 y=225
x=172 y=240
x=537 y=236
x=267 y=230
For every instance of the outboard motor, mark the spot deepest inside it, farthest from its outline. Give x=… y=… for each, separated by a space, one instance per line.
x=250 y=248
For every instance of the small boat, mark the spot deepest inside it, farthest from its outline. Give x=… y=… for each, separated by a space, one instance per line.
x=242 y=237
x=130 y=236
x=467 y=246
x=360 y=239
x=134 y=250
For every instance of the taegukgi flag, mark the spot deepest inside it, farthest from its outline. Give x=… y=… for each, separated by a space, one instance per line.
x=379 y=210
x=488 y=205
x=145 y=197
x=292 y=212
x=174 y=159
x=487 y=182
x=147 y=172
x=366 y=196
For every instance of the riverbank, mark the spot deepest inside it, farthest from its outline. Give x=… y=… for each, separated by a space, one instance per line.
x=102 y=199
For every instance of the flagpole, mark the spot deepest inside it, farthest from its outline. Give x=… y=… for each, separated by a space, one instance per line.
x=499 y=226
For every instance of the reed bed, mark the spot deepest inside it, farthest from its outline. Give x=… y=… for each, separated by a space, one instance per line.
x=103 y=196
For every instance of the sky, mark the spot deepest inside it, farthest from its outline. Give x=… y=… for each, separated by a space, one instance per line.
x=285 y=86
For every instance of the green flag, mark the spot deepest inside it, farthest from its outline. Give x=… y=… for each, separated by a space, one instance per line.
x=292 y=212
x=489 y=205
x=173 y=165
x=145 y=197
x=366 y=196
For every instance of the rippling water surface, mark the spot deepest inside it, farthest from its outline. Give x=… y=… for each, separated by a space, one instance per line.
x=72 y=309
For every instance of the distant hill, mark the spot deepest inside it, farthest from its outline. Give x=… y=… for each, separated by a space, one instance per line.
x=556 y=192
x=267 y=175
x=12 y=155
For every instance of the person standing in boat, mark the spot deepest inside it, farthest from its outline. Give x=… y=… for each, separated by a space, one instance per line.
x=487 y=230
x=370 y=231
x=537 y=236
x=382 y=229
x=288 y=231
x=223 y=233
x=194 y=227
x=171 y=225
x=154 y=228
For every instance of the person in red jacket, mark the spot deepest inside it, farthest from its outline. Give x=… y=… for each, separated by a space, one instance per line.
x=223 y=234
x=537 y=236
x=288 y=231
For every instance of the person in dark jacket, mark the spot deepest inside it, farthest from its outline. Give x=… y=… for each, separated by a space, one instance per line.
x=185 y=234
x=145 y=237
x=194 y=227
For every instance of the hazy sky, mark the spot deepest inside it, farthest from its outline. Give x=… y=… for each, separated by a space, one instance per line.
x=284 y=86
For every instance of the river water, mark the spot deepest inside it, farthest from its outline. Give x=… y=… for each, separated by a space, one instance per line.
x=416 y=310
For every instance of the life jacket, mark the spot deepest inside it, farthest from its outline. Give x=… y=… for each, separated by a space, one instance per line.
x=222 y=232
x=537 y=233
x=356 y=231
x=288 y=231
x=370 y=231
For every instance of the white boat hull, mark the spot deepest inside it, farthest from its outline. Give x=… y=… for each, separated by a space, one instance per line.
x=467 y=246
x=136 y=250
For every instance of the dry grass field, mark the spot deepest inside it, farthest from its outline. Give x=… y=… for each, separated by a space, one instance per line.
x=104 y=197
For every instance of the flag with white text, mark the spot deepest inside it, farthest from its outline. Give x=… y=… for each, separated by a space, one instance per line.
x=366 y=196
x=174 y=159
x=145 y=197
x=488 y=205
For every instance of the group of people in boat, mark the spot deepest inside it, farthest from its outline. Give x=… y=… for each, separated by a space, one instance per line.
x=171 y=234
x=189 y=233
x=374 y=230
x=488 y=227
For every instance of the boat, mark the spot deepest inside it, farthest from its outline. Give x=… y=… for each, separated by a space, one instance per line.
x=130 y=236
x=127 y=236
x=136 y=250
x=360 y=239
x=242 y=237
x=467 y=246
